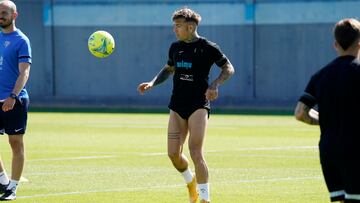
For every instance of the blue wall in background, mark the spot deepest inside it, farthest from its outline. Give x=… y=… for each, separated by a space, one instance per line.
x=274 y=46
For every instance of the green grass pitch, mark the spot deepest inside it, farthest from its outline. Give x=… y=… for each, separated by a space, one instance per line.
x=120 y=157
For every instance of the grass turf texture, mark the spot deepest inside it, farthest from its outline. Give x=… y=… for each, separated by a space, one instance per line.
x=121 y=157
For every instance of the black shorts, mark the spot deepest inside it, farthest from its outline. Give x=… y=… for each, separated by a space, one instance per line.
x=13 y=122
x=185 y=111
x=342 y=179
x=186 y=107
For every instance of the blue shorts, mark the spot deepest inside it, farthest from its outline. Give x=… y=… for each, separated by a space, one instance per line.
x=13 y=122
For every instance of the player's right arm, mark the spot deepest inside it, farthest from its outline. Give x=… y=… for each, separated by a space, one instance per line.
x=305 y=114
x=304 y=111
x=164 y=74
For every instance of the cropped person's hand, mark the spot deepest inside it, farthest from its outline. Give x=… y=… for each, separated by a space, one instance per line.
x=211 y=94
x=8 y=104
x=144 y=87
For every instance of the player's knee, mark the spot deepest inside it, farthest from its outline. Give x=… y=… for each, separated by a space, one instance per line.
x=174 y=156
x=196 y=155
x=17 y=146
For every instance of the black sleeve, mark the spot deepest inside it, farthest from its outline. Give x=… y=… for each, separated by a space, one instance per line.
x=170 y=61
x=219 y=58
x=309 y=96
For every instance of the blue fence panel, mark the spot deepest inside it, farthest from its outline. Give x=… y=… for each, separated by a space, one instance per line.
x=274 y=45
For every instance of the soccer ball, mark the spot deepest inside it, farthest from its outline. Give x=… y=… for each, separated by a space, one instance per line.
x=101 y=44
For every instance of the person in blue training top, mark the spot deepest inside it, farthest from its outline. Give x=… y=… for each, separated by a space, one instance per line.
x=15 y=60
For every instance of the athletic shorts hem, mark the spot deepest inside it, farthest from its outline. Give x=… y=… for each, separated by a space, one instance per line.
x=342 y=195
x=352 y=197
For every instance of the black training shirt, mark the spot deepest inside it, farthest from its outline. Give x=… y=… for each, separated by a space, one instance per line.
x=192 y=62
x=336 y=91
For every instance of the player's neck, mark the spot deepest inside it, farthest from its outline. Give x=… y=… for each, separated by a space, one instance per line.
x=355 y=53
x=192 y=38
x=11 y=28
x=353 y=50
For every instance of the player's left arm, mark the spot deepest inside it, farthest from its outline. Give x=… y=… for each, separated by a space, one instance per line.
x=24 y=72
x=227 y=70
x=306 y=114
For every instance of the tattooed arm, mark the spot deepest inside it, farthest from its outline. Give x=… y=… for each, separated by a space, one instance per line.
x=227 y=70
x=164 y=74
x=305 y=114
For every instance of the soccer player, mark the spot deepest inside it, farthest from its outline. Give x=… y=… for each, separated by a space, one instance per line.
x=15 y=60
x=190 y=60
x=335 y=89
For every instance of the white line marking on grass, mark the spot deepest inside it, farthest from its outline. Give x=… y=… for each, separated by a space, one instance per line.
x=104 y=171
x=267 y=148
x=243 y=149
x=273 y=180
x=153 y=154
x=68 y=152
x=165 y=187
x=72 y=158
x=305 y=129
x=100 y=191
x=114 y=154
x=276 y=156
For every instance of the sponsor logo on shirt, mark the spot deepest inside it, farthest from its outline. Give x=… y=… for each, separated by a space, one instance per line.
x=6 y=43
x=186 y=77
x=183 y=64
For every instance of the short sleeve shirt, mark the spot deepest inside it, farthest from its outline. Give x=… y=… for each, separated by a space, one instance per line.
x=192 y=62
x=14 y=49
x=335 y=89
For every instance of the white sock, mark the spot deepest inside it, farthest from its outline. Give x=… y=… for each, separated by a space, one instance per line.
x=204 y=191
x=4 y=179
x=188 y=175
x=13 y=185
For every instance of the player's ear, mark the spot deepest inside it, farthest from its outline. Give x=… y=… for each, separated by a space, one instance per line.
x=15 y=15
x=190 y=27
x=336 y=45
